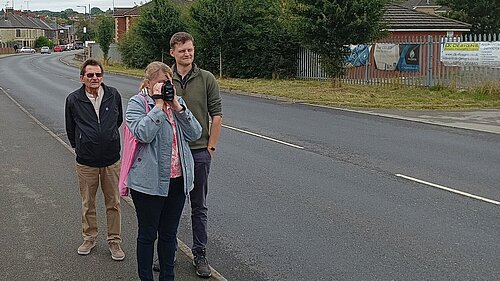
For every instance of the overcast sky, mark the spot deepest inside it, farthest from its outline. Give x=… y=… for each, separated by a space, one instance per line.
x=61 y=5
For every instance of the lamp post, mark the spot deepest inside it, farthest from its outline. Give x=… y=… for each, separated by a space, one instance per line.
x=85 y=13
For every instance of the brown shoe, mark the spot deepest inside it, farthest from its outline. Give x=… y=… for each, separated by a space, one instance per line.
x=86 y=247
x=116 y=251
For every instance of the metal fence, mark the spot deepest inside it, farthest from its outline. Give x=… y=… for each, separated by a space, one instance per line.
x=429 y=67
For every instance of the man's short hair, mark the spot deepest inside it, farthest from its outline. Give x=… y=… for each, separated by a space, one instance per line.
x=92 y=62
x=180 y=38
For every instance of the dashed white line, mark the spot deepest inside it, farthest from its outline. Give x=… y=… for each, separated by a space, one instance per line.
x=450 y=189
x=263 y=137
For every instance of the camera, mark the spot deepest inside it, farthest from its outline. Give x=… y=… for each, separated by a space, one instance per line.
x=167 y=91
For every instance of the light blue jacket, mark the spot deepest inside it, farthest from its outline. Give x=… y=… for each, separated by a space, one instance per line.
x=150 y=171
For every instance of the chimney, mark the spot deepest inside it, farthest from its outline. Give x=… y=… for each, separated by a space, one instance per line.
x=8 y=12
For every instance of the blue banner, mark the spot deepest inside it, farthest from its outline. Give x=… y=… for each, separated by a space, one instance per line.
x=409 y=55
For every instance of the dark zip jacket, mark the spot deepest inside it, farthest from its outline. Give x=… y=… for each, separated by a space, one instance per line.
x=96 y=141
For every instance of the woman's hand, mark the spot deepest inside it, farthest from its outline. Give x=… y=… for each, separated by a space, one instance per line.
x=174 y=104
x=157 y=92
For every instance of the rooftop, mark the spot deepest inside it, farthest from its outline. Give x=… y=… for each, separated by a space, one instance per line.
x=399 y=17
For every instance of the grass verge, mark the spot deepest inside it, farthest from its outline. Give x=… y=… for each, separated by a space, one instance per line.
x=359 y=96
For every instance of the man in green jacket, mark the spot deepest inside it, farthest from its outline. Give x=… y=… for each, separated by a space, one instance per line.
x=200 y=91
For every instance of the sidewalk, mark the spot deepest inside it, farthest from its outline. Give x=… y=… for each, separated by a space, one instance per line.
x=40 y=207
x=484 y=120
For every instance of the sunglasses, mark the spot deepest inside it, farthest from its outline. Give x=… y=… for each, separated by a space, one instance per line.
x=97 y=74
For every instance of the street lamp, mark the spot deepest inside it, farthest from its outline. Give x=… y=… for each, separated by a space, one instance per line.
x=85 y=13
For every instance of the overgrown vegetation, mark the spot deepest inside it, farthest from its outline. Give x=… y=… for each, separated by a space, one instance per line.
x=370 y=96
x=105 y=32
x=158 y=21
x=135 y=52
x=258 y=38
x=43 y=41
x=484 y=15
x=328 y=28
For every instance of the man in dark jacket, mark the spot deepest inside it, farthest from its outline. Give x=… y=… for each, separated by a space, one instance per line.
x=93 y=115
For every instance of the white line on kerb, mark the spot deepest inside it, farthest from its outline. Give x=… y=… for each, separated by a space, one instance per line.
x=450 y=189
x=263 y=137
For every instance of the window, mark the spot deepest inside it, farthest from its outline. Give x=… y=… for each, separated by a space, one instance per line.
x=18 y=32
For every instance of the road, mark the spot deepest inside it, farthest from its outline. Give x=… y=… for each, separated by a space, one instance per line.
x=308 y=193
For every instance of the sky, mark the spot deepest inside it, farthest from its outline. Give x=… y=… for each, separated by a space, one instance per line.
x=61 y=5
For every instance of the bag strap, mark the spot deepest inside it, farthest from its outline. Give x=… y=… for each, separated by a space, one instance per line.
x=143 y=94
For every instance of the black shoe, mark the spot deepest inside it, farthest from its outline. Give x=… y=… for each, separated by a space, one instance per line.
x=201 y=264
x=156 y=265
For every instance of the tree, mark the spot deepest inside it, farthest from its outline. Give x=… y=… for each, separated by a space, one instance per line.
x=328 y=27
x=43 y=41
x=80 y=25
x=159 y=20
x=216 y=22
x=484 y=15
x=95 y=11
x=134 y=51
x=248 y=37
x=105 y=33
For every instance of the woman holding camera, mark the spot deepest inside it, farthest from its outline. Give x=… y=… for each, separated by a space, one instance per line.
x=162 y=171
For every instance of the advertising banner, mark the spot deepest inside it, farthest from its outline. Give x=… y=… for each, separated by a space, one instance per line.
x=401 y=57
x=409 y=55
x=471 y=54
x=386 y=56
x=359 y=55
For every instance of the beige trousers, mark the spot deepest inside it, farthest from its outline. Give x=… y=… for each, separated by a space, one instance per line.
x=89 y=178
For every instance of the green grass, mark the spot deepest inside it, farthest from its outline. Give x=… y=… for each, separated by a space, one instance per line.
x=370 y=96
x=358 y=96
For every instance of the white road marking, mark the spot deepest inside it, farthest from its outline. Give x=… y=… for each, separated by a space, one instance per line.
x=450 y=189
x=68 y=147
x=263 y=137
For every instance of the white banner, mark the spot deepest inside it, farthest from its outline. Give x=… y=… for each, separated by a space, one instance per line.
x=386 y=56
x=471 y=54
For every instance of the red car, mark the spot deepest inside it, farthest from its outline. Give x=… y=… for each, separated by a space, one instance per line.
x=58 y=48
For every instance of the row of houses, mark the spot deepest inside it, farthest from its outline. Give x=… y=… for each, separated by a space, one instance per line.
x=18 y=29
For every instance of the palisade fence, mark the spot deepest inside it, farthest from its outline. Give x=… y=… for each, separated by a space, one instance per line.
x=416 y=61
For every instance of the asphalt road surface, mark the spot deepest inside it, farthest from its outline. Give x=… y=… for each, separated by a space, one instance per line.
x=308 y=193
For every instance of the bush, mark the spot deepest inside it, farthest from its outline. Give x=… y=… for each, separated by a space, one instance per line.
x=135 y=52
x=43 y=41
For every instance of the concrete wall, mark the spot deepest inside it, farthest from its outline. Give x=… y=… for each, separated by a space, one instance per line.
x=113 y=54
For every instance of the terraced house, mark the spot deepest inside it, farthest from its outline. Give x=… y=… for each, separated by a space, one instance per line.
x=20 y=29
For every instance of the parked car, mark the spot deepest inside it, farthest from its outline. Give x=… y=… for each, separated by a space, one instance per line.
x=27 y=50
x=58 y=48
x=79 y=45
x=45 y=50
